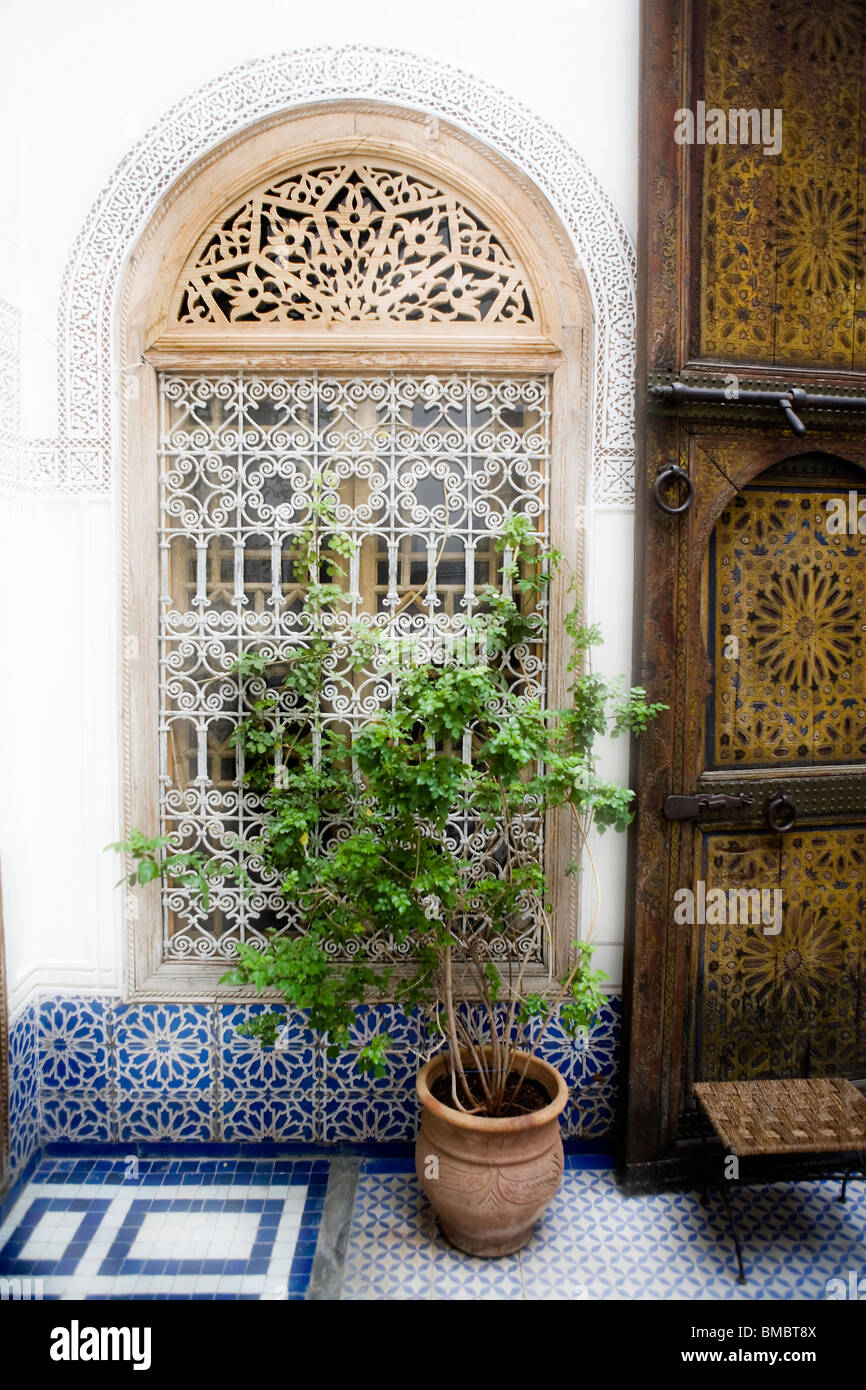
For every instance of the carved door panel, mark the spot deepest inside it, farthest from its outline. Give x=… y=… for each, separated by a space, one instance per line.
x=778 y=963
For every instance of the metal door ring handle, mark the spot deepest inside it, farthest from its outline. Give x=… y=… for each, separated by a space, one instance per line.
x=781 y=812
x=671 y=475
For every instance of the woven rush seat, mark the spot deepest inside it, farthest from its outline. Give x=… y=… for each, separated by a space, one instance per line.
x=816 y=1115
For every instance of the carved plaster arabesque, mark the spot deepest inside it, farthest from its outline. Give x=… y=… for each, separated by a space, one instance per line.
x=26 y=465
x=80 y=460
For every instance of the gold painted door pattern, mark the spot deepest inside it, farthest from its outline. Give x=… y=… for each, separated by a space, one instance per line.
x=782 y=992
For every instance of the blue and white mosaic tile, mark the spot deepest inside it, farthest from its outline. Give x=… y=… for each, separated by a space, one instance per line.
x=163 y=1047
x=25 y=1126
x=590 y=1066
x=73 y=1044
x=247 y=1067
x=79 y=1117
x=270 y=1117
x=172 y=1229
x=94 y=1070
x=595 y=1243
x=358 y=1107
x=175 y=1117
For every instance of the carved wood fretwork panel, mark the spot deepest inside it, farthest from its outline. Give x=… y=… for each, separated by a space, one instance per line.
x=782 y=235
x=347 y=242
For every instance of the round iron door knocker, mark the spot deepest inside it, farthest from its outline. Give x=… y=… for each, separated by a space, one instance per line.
x=669 y=476
x=781 y=812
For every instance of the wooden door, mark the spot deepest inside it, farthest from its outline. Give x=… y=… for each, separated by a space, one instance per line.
x=776 y=982
x=750 y=606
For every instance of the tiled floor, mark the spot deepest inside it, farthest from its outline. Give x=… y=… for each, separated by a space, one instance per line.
x=166 y=1229
x=230 y=1229
x=595 y=1243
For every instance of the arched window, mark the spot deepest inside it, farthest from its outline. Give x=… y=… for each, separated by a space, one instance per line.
x=351 y=299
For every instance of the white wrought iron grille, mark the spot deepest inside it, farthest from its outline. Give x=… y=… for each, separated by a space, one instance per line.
x=423 y=471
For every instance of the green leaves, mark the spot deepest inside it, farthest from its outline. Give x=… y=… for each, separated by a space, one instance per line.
x=633 y=714
x=406 y=779
x=588 y=719
x=249 y=664
x=386 y=843
x=502 y=897
x=501 y=623
x=519 y=739
x=189 y=868
x=372 y=1057
x=445 y=700
x=265 y=1027
x=301 y=970
x=494 y=980
x=573 y=780
x=586 y=997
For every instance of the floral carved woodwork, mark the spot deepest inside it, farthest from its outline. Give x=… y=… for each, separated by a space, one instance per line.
x=782 y=235
x=352 y=242
x=784 y=1004
x=787 y=605
x=792 y=595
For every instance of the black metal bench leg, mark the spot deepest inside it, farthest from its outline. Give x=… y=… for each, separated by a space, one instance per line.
x=858 y=1167
x=705 y=1195
x=741 y=1277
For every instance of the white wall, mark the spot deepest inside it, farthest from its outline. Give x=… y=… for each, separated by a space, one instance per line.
x=60 y=757
x=82 y=83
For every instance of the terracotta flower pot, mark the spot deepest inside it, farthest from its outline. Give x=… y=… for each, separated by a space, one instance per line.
x=489 y=1180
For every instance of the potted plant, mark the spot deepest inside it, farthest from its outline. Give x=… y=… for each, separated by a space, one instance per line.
x=408 y=841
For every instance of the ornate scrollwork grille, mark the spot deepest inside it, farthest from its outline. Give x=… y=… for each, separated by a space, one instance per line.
x=424 y=469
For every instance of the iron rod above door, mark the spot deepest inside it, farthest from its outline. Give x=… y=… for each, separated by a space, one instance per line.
x=679 y=392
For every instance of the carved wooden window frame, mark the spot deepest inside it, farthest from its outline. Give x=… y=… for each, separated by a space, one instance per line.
x=558 y=344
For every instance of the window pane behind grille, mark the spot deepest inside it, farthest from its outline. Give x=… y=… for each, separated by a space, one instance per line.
x=425 y=468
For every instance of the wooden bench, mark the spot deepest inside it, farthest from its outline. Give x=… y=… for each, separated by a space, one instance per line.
x=815 y=1115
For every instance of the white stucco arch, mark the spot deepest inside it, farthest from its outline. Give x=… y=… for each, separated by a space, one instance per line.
x=81 y=460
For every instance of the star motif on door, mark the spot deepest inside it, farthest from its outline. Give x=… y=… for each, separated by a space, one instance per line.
x=827 y=28
x=795 y=966
x=793 y=595
x=804 y=627
x=817 y=240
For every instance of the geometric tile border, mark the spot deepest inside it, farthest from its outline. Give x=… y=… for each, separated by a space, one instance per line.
x=216 y=1228
x=92 y=1069
x=595 y=1243
x=166 y=1229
